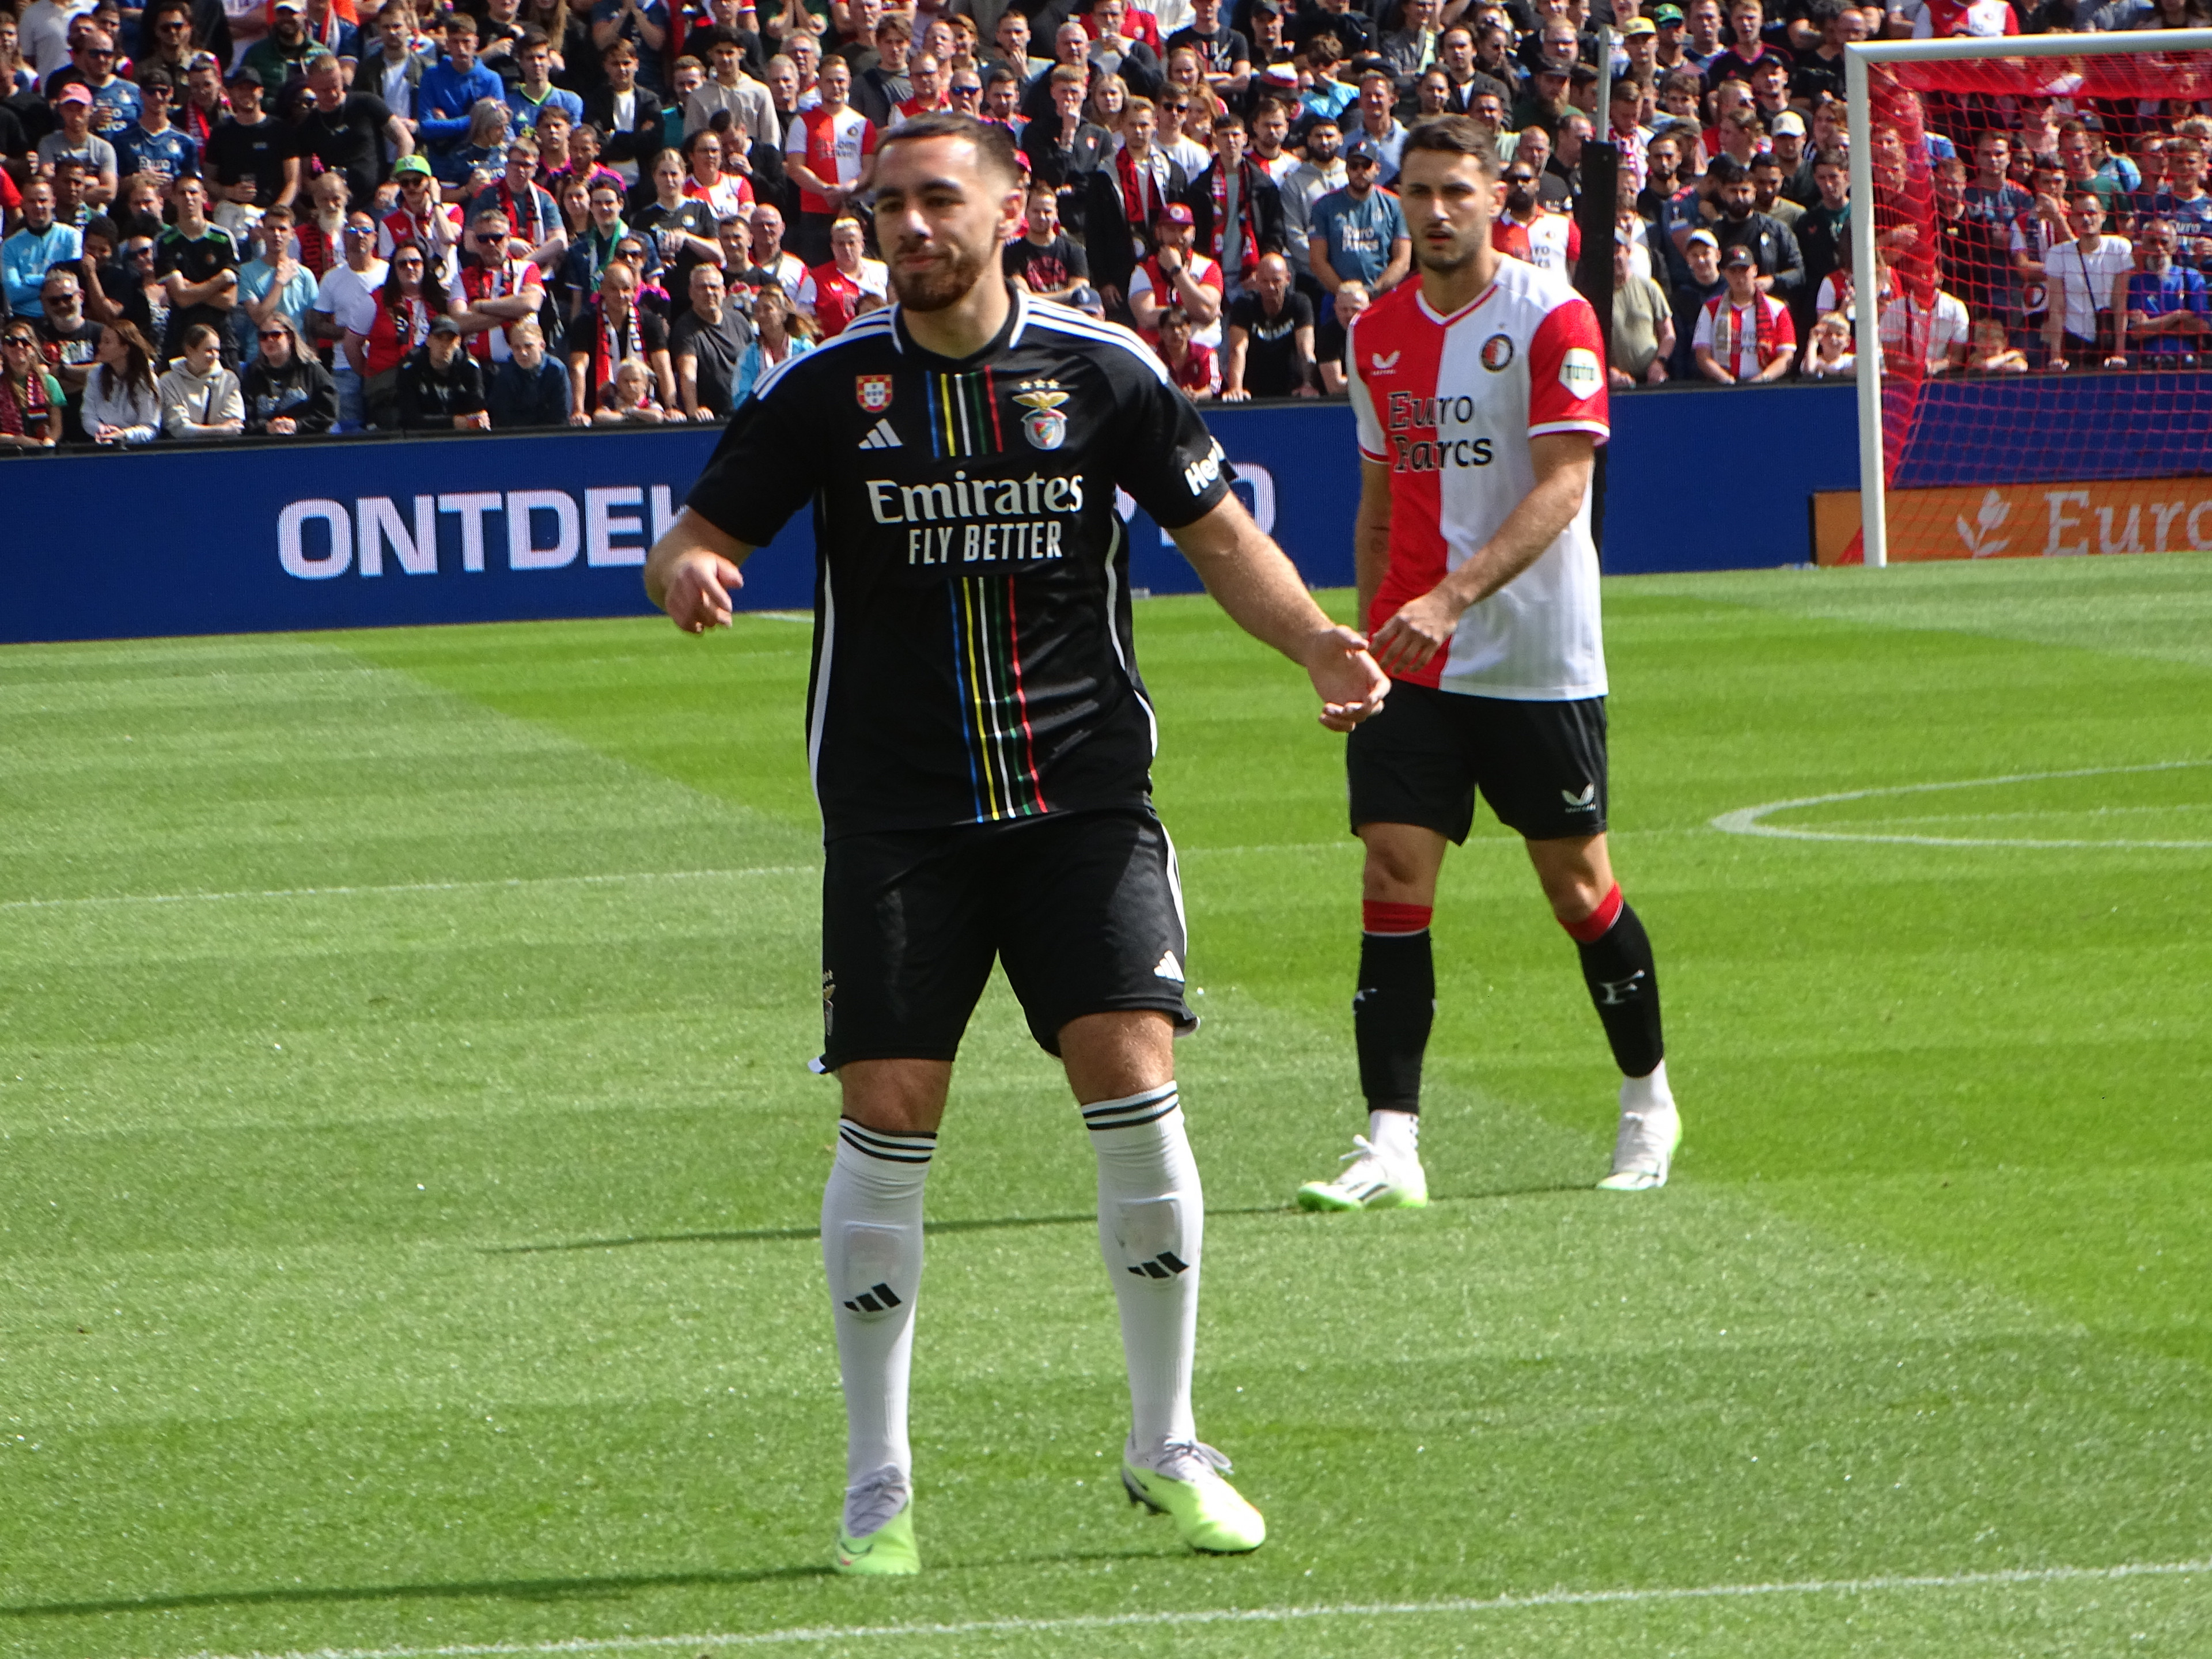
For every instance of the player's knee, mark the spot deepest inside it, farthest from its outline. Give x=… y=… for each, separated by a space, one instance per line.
x=874 y=1270
x=1397 y=875
x=1154 y=1237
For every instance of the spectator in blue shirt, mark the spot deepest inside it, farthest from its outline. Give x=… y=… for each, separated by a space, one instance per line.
x=448 y=95
x=2166 y=312
x=1358 y=234
x=150 y=143
x=274 y=283
x=535 y=91
x=26 y=257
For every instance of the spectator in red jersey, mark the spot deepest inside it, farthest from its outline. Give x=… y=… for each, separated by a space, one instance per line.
x=412 y=298
x=1190 y=366
x=1177 y=275
x=420 y=220
x=1744 y=337
x=831 y=152
x=832 y=291
x=927 y=77
x=320 y=236
x=705 y=182
x=1529 y=231
x=497 y=288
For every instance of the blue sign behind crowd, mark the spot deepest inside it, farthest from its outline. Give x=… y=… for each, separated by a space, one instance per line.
x=248 y=538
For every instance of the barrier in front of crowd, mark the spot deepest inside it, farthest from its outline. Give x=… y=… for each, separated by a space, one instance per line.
x=254 y=537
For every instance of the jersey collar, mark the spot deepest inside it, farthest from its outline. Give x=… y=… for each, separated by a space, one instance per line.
x=1008 y=336
x=1421 y=299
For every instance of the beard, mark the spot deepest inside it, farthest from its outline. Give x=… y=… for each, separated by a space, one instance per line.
x=1444 y=261
x=945 y=282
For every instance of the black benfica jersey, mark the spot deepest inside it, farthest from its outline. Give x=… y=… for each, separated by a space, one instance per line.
x=972 y=658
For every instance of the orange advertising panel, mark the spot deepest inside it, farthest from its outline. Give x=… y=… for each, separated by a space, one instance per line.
x=2026 y=521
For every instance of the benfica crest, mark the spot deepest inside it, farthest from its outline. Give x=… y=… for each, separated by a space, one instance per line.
x=873 y=392
x=1044 y=426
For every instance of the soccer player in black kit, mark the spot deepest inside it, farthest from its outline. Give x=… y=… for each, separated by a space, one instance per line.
x=981 y=744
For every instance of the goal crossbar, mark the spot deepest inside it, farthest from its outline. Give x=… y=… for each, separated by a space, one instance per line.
x=1857 y=60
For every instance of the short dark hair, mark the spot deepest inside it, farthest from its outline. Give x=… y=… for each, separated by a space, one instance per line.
x=704 y=41
x=1727 y=170
x=993 y=144
x=1454 y=135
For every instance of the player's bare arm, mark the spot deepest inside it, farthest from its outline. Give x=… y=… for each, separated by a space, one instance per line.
x=1370 y=534
x=692 y=572
x=1254 y=581
x=1423 y=627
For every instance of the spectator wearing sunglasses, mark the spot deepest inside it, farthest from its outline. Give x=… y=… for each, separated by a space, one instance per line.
x=286 y=391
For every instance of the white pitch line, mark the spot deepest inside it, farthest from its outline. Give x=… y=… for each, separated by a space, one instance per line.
x=1536 y=1600
x=1748 y=820
x=406 y=887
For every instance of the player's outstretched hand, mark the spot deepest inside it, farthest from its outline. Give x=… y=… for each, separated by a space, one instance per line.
x=699 y=589
x=1421 y=627
x=1351 y=687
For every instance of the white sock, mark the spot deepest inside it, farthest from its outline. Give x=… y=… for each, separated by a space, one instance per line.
x=1646 y=1095
x=871 y=1249
x=1396 y=1135
x=1151 y=1224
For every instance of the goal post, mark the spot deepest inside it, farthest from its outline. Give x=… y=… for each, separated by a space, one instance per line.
x=1882 y=77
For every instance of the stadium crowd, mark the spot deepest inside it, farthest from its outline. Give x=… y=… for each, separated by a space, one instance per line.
x=290 y=217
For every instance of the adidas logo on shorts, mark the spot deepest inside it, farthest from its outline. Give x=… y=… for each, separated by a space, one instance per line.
x=1168 y=968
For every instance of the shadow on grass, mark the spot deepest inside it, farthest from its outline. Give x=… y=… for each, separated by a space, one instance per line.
x=792 y=1235
x=506 y=1589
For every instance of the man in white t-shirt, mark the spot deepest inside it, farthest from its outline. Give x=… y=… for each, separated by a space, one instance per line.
x=2081 y=275
x=345 y=305
x=1941 y=332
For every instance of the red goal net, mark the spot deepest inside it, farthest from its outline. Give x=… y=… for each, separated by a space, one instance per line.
x=2039 y=255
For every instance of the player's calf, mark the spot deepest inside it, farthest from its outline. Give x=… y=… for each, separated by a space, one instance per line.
x=1624 y=989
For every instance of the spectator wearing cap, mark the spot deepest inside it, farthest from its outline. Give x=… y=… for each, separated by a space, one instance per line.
x=1744 y=337
x=1700 y=282
x=285 y=391
x=1774 y=251
x=40 y=244
x=1667 y=53
x=2162 y=310
x=421 y=220
x=1176 y=274
x=200 y=398
x=1543 y=101
x=446 y=99
x=150 y=143
x=440 y=386
x=250 y=158
x=93 y=60
x=281 y=56
x=1360 y=232
x=529 y=388
x=74 y=140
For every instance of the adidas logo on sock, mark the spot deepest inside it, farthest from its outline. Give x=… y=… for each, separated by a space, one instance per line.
x=1165 y=1265
x=881 y=1299
x=880 y=436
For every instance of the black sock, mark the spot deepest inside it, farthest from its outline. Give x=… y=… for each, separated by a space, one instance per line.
x=1391 y=1016
x=1623 y=987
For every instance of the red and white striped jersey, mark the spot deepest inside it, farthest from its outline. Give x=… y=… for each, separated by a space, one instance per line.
x=1550 y=242
x=1449 y=404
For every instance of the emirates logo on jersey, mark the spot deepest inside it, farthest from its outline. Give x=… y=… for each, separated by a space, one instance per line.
x=873 y=392
x=1497 y=353
x=1044 y=426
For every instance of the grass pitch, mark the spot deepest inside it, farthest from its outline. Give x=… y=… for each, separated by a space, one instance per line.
x=408 y=1168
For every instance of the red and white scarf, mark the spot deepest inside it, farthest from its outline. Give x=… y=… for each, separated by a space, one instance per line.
x=617 y=343
x=1142 y=191
x=1248 y=246
x=1728 y=331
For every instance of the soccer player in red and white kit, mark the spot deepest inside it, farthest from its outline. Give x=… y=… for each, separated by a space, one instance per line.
x=1481 y=397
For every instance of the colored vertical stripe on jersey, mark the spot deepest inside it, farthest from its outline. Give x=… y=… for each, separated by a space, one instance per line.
x=964 y=416
x=1001 y=757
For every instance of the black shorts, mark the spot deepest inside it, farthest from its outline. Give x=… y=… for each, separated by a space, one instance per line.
x=1085 y=908
x=1539 y=765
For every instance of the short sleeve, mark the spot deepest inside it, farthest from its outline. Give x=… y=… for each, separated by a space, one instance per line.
x=1702 y=335
x=1171 y=464
x=794 y=137
x=763 y=469
x=1374 y=445
x=1566 y=372
x=868 y=135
